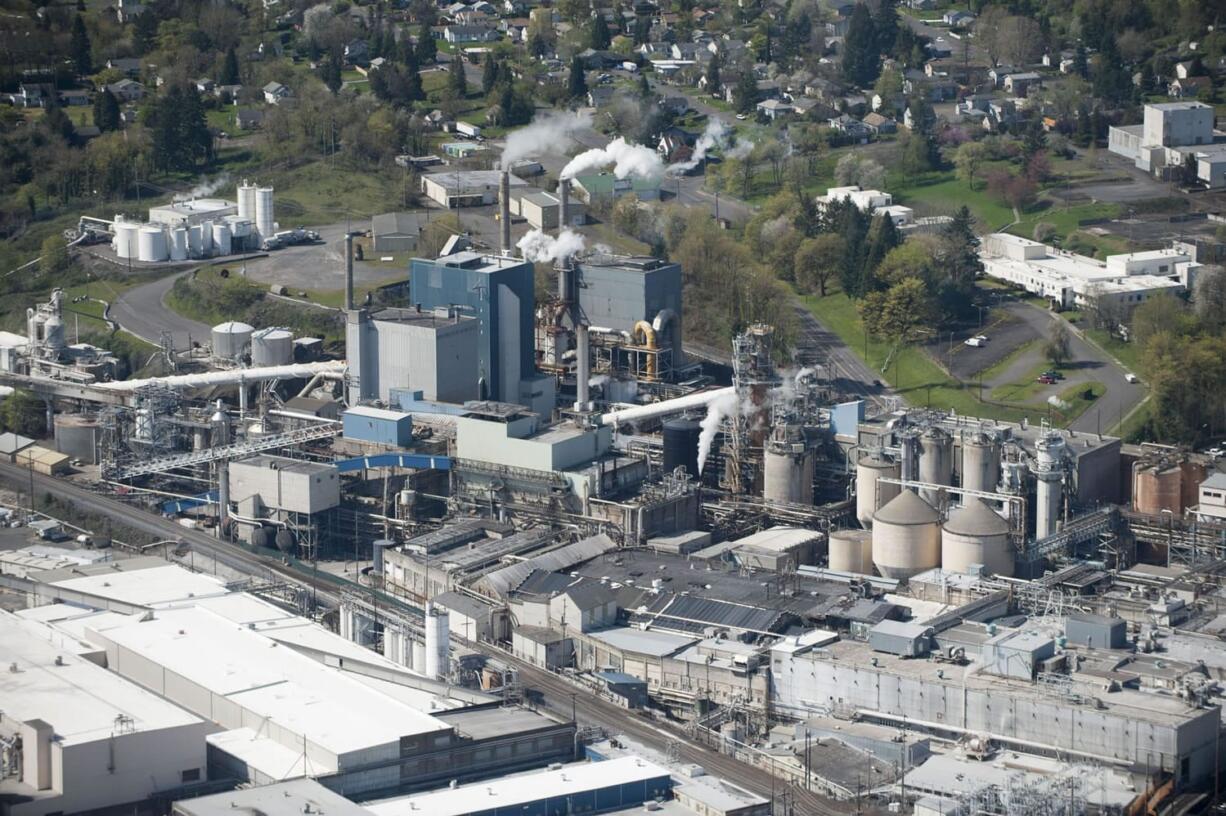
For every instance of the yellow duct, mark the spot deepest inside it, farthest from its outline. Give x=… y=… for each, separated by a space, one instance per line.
x=649 y=340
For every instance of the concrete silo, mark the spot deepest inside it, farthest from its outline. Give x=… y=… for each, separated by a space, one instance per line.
x=906 y=537
x=788 y=467
x=438 y=642
x=1049 y=477
x=851 y=551
x=936 y=462
x=264 y=222
x=980 y=462
x=976 y=534
x=872 y=494
x=272 y=347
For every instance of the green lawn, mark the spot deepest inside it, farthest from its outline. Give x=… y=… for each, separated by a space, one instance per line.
x=1065 y=219
x=1128 y=354
x=942 y=193
x=223 y=119
x=1026 y=388
x=324 y=192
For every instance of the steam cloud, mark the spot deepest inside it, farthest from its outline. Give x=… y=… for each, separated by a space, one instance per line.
x=537 y=246
x=715 y=135
x=627 y=160
x=717 y=409
x=547 y=133
x=204 y=188
x=739 y=150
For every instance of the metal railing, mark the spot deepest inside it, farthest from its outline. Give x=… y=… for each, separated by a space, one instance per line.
x=238 y=450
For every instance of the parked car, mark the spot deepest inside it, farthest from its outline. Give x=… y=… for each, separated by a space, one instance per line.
x=978 y=341
x=1216 y=453
x=1132 y=378
x=1046 y=380
x=1055 y=375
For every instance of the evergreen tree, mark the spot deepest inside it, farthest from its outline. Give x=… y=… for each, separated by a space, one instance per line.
x=644 y=86
x=600 y=38
x=1081 y=66
x=457 y=83
x=106 y=111
x=144 y=33
x=57 y=122
x=194 y=135
x=962 y=248
x=489 y=74
x=861 y=57
x=1034 y=139
x=330 y=72
x=413 y=91
x=578 y=84
x=642 y=30
x=1111 y=80
x=882 y=237
x=745 y=93
x=427 y=48
x=229 y=69
x=80 y=49
x=713 y=81
x=885 y=25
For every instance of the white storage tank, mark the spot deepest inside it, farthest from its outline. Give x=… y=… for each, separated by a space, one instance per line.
x=221 y=237
x=230 y=338
x=438 y=645
x=264 y=222
x=871 y=494
x=906 y=537
x=178 y=244
x=152 y=244
x=206 y=238
x=125 y=241
x=246 y=201
x=272 y=347
x=195 y=241
x=851 y=551
x=936 y=462
x=976 y=534
x=980 y=462
x=788 y=473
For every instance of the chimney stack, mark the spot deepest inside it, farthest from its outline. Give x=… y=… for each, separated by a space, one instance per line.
x=564 y=205
x=349 y=272
x=504 y=213
x=584 y=370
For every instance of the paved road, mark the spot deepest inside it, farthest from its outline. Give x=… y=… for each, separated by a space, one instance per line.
x=142 y=311
x=848 y=375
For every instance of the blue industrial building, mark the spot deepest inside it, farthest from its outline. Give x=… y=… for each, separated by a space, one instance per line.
x=378 y=425
x=500 y=293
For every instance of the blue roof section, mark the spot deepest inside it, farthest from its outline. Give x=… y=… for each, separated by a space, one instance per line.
x=403 y=460
x=180 y=505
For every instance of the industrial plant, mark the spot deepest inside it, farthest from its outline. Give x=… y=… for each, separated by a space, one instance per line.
x=524 y=554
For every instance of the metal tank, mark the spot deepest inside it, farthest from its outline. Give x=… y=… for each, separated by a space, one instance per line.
x=1049 y=476
x=178 y=244
x=152 y=244
x=680 y=445
x=980 y=462
x=438 y=646
x=230 y=338
x=246 y=201
x=272 y=347
x=195 y=241
x=787 y=472
x=851 y=551
x=936 y=462
x=78 y=436
x=264 y=223
x=871 y=494
x=206 y=238
x=1157 y=486
x=221 y=237
x=906 y=537
x=126 y=242
x=53 y=333
x=976 y=534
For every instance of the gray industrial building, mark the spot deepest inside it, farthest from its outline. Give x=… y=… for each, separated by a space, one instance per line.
x=500 y=293
x=620 y=292
x=465 y=188
x=434 y=351
x=397 y=231
x=278 y=496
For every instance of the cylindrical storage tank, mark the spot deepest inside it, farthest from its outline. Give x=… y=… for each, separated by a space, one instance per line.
x=980 y=463
x=787 y=475
x=264 y=222
x=419 y=657
x=680 y=443
x=229 y=339
x=195 y=241
x=272 y=347
x=976 y=534
x=53 y=333
x=936 y=462
x=871 y=494
x=1157 y=486
x=126 y=243
x=152 y=243
x=178 y=244
x=221 y=237
x=1049 y=476
x=206 y=238
x=906 y=537
x=438 y=645
x=246 y=201
x=851 y=551
x=77 y=436
x=284 y=540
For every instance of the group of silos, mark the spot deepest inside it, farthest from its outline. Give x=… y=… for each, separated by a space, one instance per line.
x=153 y=242
x=234 y=340
x=903 y=534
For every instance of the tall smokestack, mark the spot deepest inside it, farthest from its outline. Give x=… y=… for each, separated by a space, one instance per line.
x=349 y=272
x=584 y=372
x=504 y=213
x=564 y=205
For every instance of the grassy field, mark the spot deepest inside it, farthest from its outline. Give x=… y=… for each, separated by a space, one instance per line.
x=325 y=192
x=1128 y=354
x=1063 y=218
x=943 y=193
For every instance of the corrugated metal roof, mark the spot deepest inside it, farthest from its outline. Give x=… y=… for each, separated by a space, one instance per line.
x=691 y=613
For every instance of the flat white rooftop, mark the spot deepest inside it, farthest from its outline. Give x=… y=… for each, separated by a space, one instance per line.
x=82 y=701
x=778 y=539
x=265 y=755
x=523 y=789
x=136 y=584
x=283 y=799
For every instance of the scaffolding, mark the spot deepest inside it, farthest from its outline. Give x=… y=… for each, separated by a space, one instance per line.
x=746 y=427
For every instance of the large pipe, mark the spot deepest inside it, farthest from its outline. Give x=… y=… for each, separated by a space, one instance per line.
x=696 y=400
x=332 y=369
x=563 y=204
x=584 y=373
x=649 y=340
x=349 y=272
x=504 y=213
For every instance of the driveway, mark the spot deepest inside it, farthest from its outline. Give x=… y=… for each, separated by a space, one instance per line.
x=142 y=311
x=847 y=374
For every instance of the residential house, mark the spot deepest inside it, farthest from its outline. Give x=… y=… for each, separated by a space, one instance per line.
x=922 y=5
x=934 y=90
x=127 y=90
x=275 y=93
x=997 y=75
x=204 y=85
x=674 y=142
x=229 y=92
x=375 y=65
x=958 y=18
x=894 y=102
x=33 y=94
x=850 y=128
x=516 y=28
x=129 y=65
x=774 y=109
x=656 y=50
x=1185 y=69
x=940 y=48
x=879 y=125
x=456 y=34
x=357 y=52
x=128 y=10
x=676 y=105
x=1020 y=84
x=689 y=51
x=1187 y=87
x=74 y=97
x=854 y=103
x=248 y=118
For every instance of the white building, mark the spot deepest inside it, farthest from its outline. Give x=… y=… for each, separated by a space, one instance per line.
x=869 y=201
x=1070 y=280
x=1212 y=506
x=1172 y=133
x=89 y=738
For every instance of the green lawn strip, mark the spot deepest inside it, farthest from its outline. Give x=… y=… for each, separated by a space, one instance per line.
x=943 y=193
x=1024 y=389
x=1076 y=399
x=1126 y=354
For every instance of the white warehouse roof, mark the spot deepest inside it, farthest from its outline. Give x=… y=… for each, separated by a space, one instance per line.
x=139 y=582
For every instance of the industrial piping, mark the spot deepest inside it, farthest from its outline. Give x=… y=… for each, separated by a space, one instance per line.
x=349 y=272
x=329 y=370
x=583 y=372
x=673 y=406
x=649 y=341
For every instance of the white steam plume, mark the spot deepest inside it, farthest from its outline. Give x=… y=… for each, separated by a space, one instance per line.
x=537 y=246
x=739 y=150
x=204 y=188
x=627 y=160
x=547 y=133
x=715 y=135
x=717 y=409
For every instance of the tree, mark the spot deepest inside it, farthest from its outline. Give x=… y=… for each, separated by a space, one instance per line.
x=54 y=260
x=818 y=260
x=80 y=49
x=229 y=69
x=330 y=72
x=960 y=256
x=1209 y=297
x=1034 y=139
x=1161 y=313
x=426 y=48
x=1059 y=347
x=578 y=84
x=600 y=37
x=644 y=86
x=885 y=25
x=853 y=169
x=1020 y=40
x=889 y=87
x=713 y=81
x=899 y=313
x=489 y=74
x=106 y=111
x=457 y=83
x=144 y=33
x=919 y=154
x=25 y=414
x=745 y=93
x=968 y=158
x=861 y=55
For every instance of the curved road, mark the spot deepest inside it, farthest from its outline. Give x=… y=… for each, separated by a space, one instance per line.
x=142 y=311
